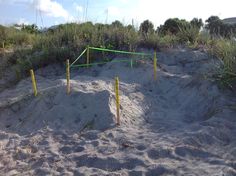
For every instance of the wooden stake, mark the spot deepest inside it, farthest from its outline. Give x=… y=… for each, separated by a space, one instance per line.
x=87 y=56
x=33 y=82
x=68 y=76
x=117 y=100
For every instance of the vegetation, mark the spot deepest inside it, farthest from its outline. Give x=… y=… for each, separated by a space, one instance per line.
x=218 y=28
x=226 y=50
x=34 y=48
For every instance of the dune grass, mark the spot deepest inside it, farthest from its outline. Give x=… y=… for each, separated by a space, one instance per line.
x=35 y=50
x=226 y=50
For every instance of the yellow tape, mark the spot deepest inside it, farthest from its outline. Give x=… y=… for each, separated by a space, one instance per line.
x=155 y=65
x=33 y=82
x=117 y=100
x=68 y=76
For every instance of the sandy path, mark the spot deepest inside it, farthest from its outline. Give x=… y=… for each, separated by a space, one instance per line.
x=181 y=124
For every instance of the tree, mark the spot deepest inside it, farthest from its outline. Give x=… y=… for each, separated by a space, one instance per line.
x=117 y=24
x=217 y=27
x=30 y=28
x=173 y=26
x=213 y=25
x=130 y=27
x=195 y=22
x=146 y=27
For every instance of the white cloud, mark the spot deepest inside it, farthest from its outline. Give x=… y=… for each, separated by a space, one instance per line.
x=124 y=1
x=51 y=8
x=22 y=21
x=71 y=19
x=159 y=11
x=79 y=8
x=113 y=11
x=126 y=10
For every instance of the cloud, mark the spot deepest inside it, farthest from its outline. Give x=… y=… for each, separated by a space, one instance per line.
x=22 y=21
x=124 y=1
x=79 y=8
x=114 y=11
x=159 y=11
x=51 y=8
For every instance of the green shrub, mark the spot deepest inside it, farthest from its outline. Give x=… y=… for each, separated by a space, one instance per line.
x=226 y=50
x=204 y=38
x=14 y=37
x=172 y=26
x=167 y=41
x=188 y=34
x=146 y=28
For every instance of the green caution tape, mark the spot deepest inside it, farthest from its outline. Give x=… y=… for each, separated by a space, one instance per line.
x=113 y=61
x=122 y=52
x=109 y=50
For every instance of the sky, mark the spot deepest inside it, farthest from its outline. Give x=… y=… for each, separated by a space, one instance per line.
x=47 y=13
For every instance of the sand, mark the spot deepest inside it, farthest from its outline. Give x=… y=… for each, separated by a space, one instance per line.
x=180 y=124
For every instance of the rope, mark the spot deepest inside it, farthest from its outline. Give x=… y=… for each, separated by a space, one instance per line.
x=122 y=52
x=78 y=57
x=108 y=50
x=97 y=63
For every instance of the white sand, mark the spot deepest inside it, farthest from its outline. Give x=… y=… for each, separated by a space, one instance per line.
x=181 y=124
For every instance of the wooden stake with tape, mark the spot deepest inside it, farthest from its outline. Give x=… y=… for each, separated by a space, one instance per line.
x=33 y=82
x=117 y=100
x=67 y=76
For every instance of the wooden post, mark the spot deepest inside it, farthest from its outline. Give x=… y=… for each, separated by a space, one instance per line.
x=155 y=65
x=33 y=82
x=67 y=76
x=87 y=56
x=117 y=100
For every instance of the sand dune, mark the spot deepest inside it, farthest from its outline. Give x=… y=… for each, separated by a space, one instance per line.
x=181 y=124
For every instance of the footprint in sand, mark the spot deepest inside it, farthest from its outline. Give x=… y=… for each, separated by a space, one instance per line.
x=159 y=153
x=71 y=149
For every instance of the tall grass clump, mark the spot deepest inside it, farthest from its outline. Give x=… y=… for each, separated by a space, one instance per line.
x=14 y=38
x=167 y=41
x=204 y=38
x=188 y=34
x=225 y=49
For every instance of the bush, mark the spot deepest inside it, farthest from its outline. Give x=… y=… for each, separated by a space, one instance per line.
x=218 y=28
x=226 y=50
x=15 y=38
x=188 y=34
x=167 y=41
x=146 y=28
x=204 y=38
x=172 y=26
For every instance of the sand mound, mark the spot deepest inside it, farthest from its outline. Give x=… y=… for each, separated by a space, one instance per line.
x=181 y=124
x=91 y=105
x=56 y=110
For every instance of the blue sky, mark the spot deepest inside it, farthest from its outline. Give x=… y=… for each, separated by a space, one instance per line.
x=51 y=12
